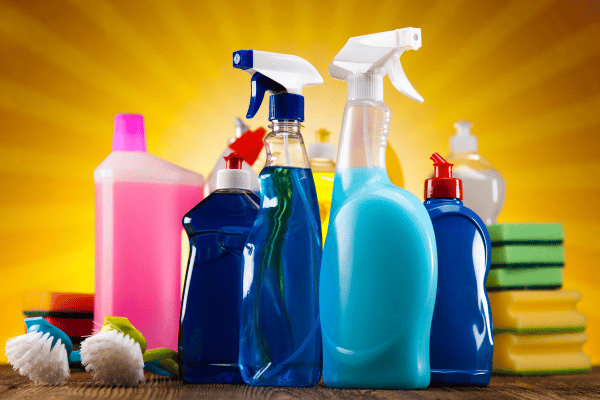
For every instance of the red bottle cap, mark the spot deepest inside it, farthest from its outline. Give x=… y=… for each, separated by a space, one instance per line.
x=233 y=161
x=249 y=144
x=443 y=185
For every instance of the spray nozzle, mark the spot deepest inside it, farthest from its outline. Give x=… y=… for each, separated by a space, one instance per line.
x=365 y=60
x=283 y=76
x=233 y=161
x=442 y=185
x=463 y=140
x=259 y=85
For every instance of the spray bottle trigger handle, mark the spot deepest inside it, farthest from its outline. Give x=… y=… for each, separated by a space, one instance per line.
x=259 y=84
x=399 y=79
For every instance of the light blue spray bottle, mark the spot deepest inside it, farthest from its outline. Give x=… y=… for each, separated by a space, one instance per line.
x=379 y=269
x=280 y=335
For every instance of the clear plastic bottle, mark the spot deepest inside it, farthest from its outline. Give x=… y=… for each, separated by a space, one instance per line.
x=484 y=188
x=379 y=269
x=280 y=339
x=280 y=332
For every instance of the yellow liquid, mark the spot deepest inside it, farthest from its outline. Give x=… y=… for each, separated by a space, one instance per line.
x=323 y=171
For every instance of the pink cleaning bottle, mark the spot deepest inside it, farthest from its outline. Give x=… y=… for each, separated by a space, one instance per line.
x=140 y=201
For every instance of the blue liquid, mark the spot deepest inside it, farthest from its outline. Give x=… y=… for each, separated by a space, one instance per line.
x=280 y=336
x=461 y=331
x=378 y=284
x=210 y=311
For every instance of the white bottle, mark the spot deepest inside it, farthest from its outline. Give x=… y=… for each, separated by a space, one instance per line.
x=484 y=188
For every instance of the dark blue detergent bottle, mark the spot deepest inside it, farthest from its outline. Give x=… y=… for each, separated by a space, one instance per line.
x=280 y=332
x=461 y=331
x=210 y=310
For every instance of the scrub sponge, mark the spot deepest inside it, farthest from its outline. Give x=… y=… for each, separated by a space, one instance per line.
x=536 y=311
x=526 y=233
x=525 y=278
x=528 y=255
x=540 y=354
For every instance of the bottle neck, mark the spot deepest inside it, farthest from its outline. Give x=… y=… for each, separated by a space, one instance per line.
x=364 y=133
x=284 y=145
x=365 y=87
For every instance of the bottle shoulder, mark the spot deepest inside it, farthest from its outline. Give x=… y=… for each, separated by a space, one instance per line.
x=224 y=202
x=448 y=210
x=139 y=166
x=471 y=160
x=385 y=200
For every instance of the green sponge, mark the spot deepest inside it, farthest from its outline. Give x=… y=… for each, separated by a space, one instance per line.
x=525 y=278
x=527 y=233
x=517 y=255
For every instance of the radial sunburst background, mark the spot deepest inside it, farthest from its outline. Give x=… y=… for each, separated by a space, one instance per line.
x=525 y=72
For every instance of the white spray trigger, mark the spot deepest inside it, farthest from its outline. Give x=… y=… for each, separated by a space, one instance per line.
x=399 y=79
x=365 y=60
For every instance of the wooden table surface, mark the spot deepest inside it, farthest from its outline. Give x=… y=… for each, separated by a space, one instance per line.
x=80 y=386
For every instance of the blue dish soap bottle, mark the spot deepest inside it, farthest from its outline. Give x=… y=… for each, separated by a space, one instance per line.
x=379 y=269
x=210 y=310
x=280 y=336
x=461 y=332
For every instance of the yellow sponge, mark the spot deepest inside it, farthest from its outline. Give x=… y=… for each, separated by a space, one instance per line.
x=540 y=354
x=536 y=311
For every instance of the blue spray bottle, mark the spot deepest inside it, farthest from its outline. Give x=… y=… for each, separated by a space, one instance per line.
x=280 y=336
x=210 y=309
x=461 y=331
x=379 y=269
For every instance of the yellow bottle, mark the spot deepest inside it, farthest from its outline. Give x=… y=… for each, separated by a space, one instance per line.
x=321 y=156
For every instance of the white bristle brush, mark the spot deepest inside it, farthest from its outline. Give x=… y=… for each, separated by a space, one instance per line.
x=42 y=354
x=114 y=355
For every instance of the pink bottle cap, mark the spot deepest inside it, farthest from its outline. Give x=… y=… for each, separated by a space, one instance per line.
x=128 y=133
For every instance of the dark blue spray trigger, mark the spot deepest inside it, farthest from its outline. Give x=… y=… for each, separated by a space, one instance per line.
x=259 y=84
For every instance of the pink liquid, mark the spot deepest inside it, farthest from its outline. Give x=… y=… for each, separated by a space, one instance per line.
x=138 y=255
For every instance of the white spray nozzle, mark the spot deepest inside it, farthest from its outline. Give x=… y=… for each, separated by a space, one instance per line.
x=377 y=54
x=463 y=140
x=276 y=73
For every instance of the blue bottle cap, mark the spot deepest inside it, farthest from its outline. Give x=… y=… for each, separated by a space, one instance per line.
x=286 y=106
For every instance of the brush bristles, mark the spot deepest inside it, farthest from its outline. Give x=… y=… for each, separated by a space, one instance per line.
x=33 y=355
x=113 y=359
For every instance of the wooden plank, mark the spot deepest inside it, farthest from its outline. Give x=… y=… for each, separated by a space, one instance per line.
x=80 y=386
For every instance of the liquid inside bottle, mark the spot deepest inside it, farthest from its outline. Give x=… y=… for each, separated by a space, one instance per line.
x=379 y=269
x=280 y=336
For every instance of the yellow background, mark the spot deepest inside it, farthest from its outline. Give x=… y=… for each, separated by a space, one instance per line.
x=526 y=73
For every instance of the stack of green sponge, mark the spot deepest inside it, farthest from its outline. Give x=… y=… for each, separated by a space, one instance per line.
x=539 y=331
x=526 y=256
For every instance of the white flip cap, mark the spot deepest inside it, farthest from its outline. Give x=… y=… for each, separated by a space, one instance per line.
x=233 y=179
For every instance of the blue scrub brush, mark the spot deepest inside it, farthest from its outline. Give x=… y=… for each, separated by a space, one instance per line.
x=117 y=356
x=114 y=355
x=43 y=353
